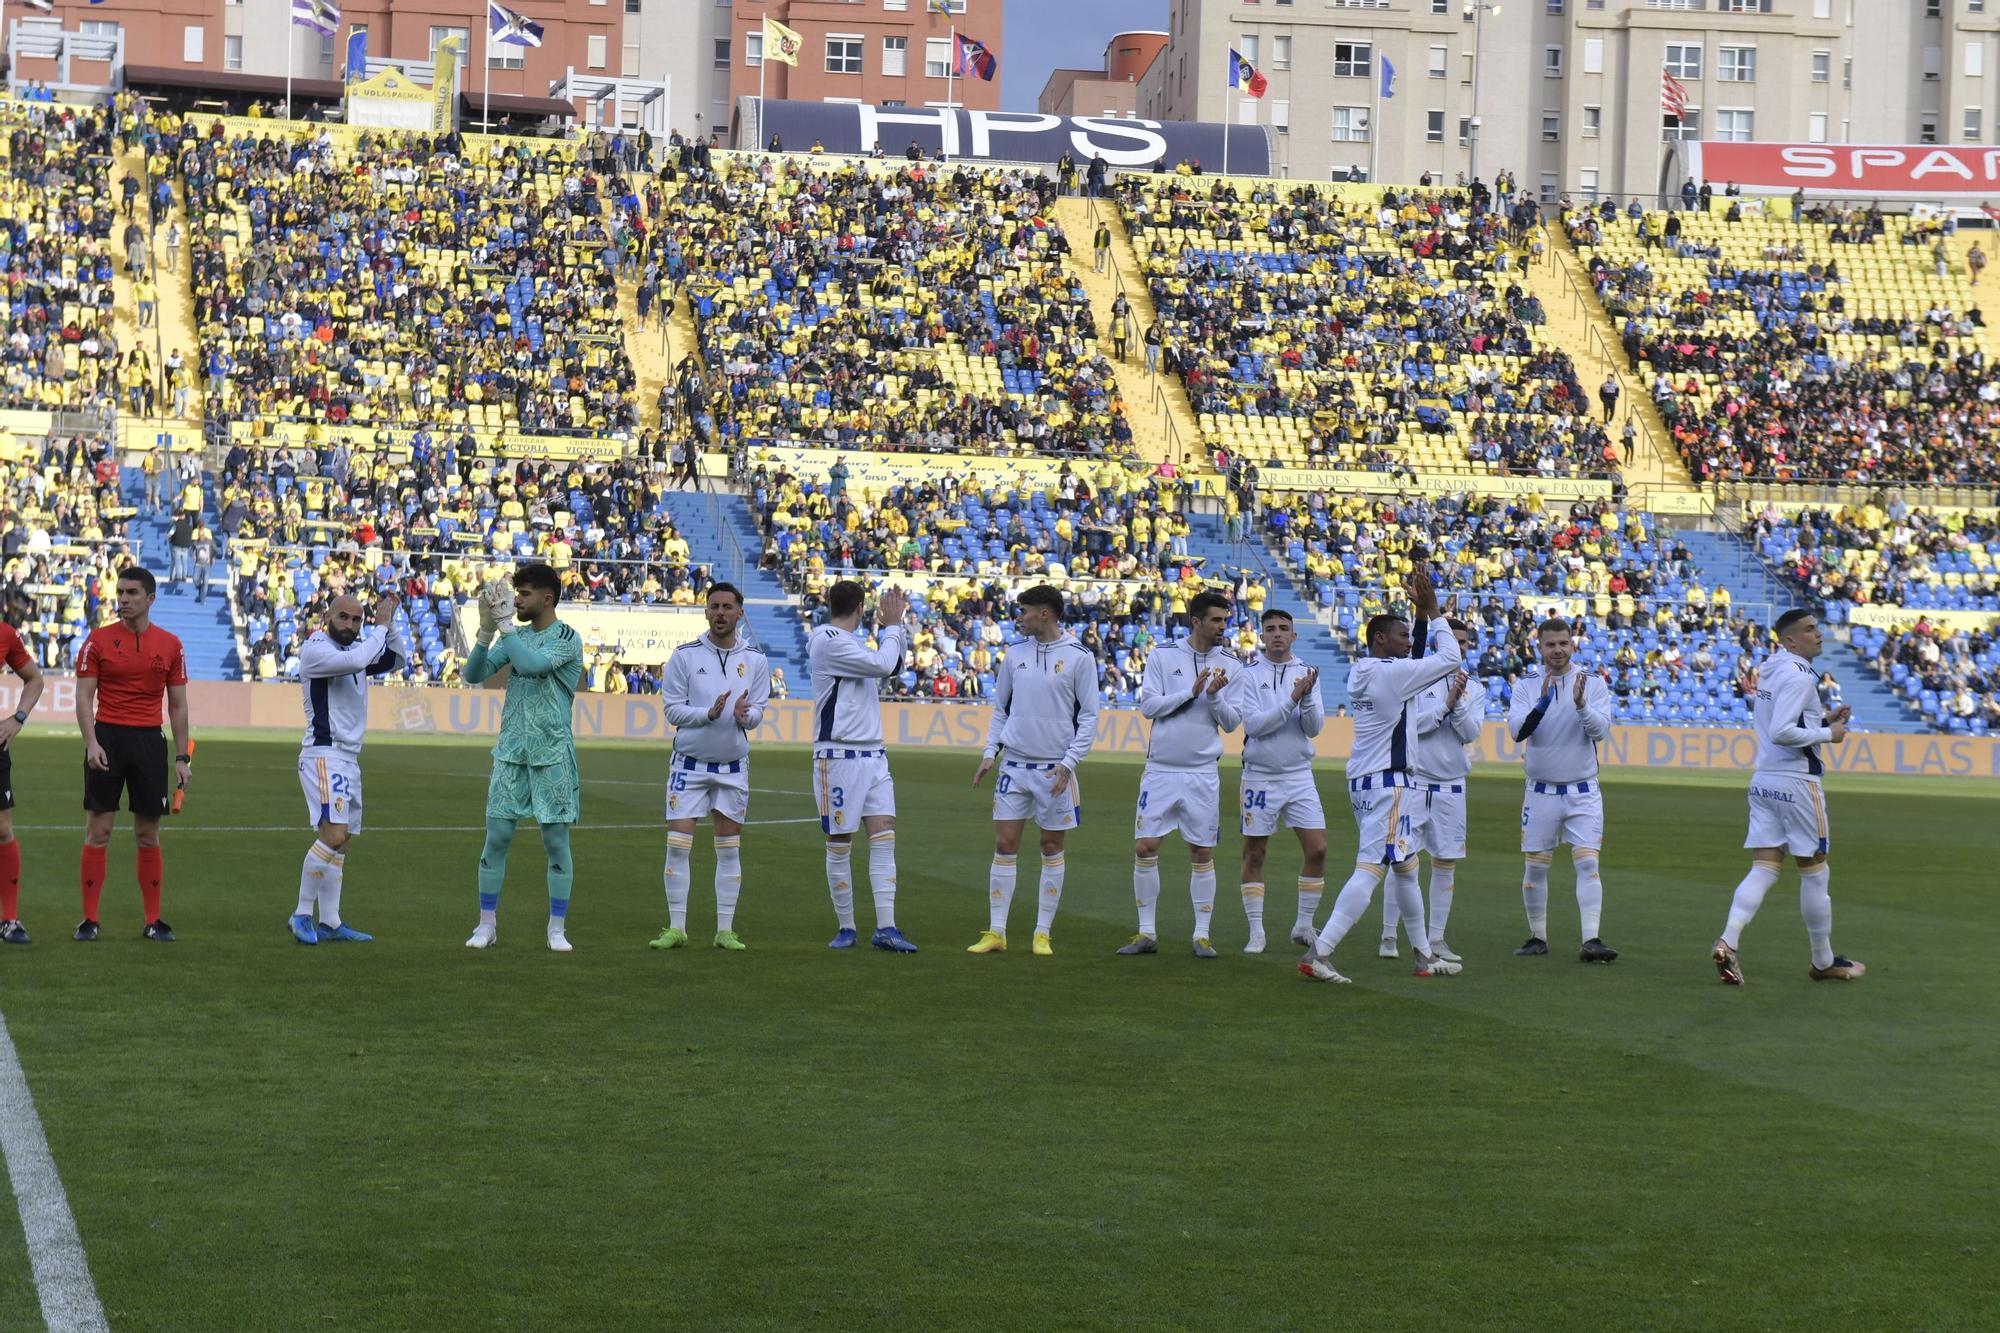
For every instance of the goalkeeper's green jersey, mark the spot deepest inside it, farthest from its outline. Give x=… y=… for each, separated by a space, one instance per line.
x=548 y=666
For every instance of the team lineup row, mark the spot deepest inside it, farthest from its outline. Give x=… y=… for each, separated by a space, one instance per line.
x=1415 y=711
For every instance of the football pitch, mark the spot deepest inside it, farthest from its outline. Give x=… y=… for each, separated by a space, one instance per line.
x=410 y=1135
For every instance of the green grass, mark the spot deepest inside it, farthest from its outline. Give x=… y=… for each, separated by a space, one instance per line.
x=409 y=1135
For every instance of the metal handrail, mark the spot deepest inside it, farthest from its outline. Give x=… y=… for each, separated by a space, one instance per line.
x=1840 y=491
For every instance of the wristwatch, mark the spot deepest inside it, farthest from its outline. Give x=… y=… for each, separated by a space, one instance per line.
x=21 y=716
x=187 y=759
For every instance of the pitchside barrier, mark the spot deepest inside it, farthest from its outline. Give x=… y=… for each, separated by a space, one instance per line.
x=437 y=711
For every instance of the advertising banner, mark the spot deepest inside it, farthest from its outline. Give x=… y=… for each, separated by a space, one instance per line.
x=1335 y=482
x=1851 y=171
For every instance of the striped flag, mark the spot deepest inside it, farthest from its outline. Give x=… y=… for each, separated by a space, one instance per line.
x=322 y=16
x=1673 y=95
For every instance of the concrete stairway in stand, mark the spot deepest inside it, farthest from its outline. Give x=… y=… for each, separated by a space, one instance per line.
x=1208 y=538
x=204 y=629
x=721 y=532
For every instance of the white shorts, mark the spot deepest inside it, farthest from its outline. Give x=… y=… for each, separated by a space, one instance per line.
x=1559 y=812
x=331 y=780
x=1391 y=820
x=695 y=787
x=1444 y=822
x=1187 y=801
x=1021 y=791
x=851 y=785
x=1269 y=799
x=1788 y=812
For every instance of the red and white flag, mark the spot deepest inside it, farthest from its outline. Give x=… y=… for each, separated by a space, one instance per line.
x=1673 y=95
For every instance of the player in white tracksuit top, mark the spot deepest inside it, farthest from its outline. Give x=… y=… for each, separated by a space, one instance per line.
x=1181 y=788
x=714 y=693
x=1787 y=807
x=850 y=764
x=1045 y=699
x=1277 y=700
x=1445 y=719
x=1386 y=811
x=1558 y=715
x=336 y=662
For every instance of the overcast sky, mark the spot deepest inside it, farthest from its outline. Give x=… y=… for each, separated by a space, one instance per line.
x=1046 y=34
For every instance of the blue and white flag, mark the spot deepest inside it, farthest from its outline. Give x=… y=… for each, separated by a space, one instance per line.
x=322 y=16
x=1388 y=79
x=507 y=28
x=357 y=55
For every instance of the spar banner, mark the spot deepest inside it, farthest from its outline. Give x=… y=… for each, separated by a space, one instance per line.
x=1013 y=136
x=1851 y=171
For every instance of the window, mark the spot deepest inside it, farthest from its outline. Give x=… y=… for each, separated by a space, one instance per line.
x=1281 y=117
x=1974 y=125
x=886 y=4
x=1687 y=126
x=1975 y=60
x=1247 y=45
x=628 y=60
x=843 y=54
x=1927 y=128
x=1586 y=182
x=896 y=56
x=1933 y=9
x=722 y=52
x=1674 y=4
x=1548 y=187
x=1933 y=62
x=99 y=27
x=1683 y=60
x=753 y=48
x=1350 y=124
x=1847 y=72
x=1440 y=6
x=1439 y=54
x=632 y=6
x=1555 y=6
x=1593 y=55
x=232 y=53
x=596 y=51
x=1822 y=9
x=1551 y=127
x=1822 y=66
x=1593 y=121
x=439 y=36
x=954 y=6
x=1816 y=127
x=1281 y=51
x=1433 y=127
x=1464 y=130
x=937 y=56
x=1352 y=60
x=1744 y=6
x=1552 y=62
x=1736 y=64
x=1738 y=126
x=509 y=56
x=193 y=37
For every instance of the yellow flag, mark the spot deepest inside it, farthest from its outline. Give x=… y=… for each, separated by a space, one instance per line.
x=781 y=43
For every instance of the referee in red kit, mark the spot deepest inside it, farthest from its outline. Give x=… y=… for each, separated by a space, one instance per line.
x=119 y=677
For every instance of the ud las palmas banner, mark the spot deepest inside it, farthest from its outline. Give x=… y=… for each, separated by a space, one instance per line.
x=442 y=712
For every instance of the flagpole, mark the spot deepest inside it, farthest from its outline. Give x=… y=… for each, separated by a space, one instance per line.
x=1659 y=137
x=763 y=62
x=1375 y=115
x=1226 y=118
x=291 y=47
x=486 y=79
x=950 y=115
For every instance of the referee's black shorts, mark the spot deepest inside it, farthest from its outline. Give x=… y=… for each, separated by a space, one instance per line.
x=139 y=770
x=6 y=779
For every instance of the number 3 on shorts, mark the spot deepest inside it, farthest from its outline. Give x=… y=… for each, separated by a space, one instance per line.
x=838 y=798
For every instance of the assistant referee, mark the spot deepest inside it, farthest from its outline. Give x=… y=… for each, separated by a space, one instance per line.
x=119 y=678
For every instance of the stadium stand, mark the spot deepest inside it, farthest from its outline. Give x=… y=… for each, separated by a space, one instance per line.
x=60 y=542
x=1949 y=676
x=1839 y=347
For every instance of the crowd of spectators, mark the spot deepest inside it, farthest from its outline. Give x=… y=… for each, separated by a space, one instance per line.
x=886 y=306
x=1948 y=675
x=1846 y=348
x=1888 y=554
x=62 y=541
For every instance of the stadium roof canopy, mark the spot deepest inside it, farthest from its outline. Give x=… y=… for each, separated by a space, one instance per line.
x=232 y=81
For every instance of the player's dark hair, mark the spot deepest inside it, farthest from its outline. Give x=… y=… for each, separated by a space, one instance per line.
x=1204 y=602
x=1458 y=626
x=1042 y=595
x=844 y=598
x=719 y=589
x=1379 y=625
x=540 y=577
x=1790 y=618
x=140 y=575
x=1275 y=613
x=1554 y=625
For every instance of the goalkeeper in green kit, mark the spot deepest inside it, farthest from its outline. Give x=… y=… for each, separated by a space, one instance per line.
x=534 y=761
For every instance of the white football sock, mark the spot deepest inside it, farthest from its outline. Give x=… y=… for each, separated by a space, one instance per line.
x=1816 y=906
x=329 y=890
x=675 y=877
x=1201 y=891
x=1409 y=895
x=1052 y=887
x=1442 y=880
x=882 y=877
x=1349 y=906
x=1253 y=904
x=1146 y=890
x=1535 y=893
x=1392 y=909
x=1749 y=897
x=1310 y=891
x=318 y=857
x=728 y=879
x=1589 y=892
x=999 y=892
x=840 y=882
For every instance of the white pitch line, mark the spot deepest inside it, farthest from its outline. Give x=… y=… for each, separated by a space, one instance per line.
x=55 y=1251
